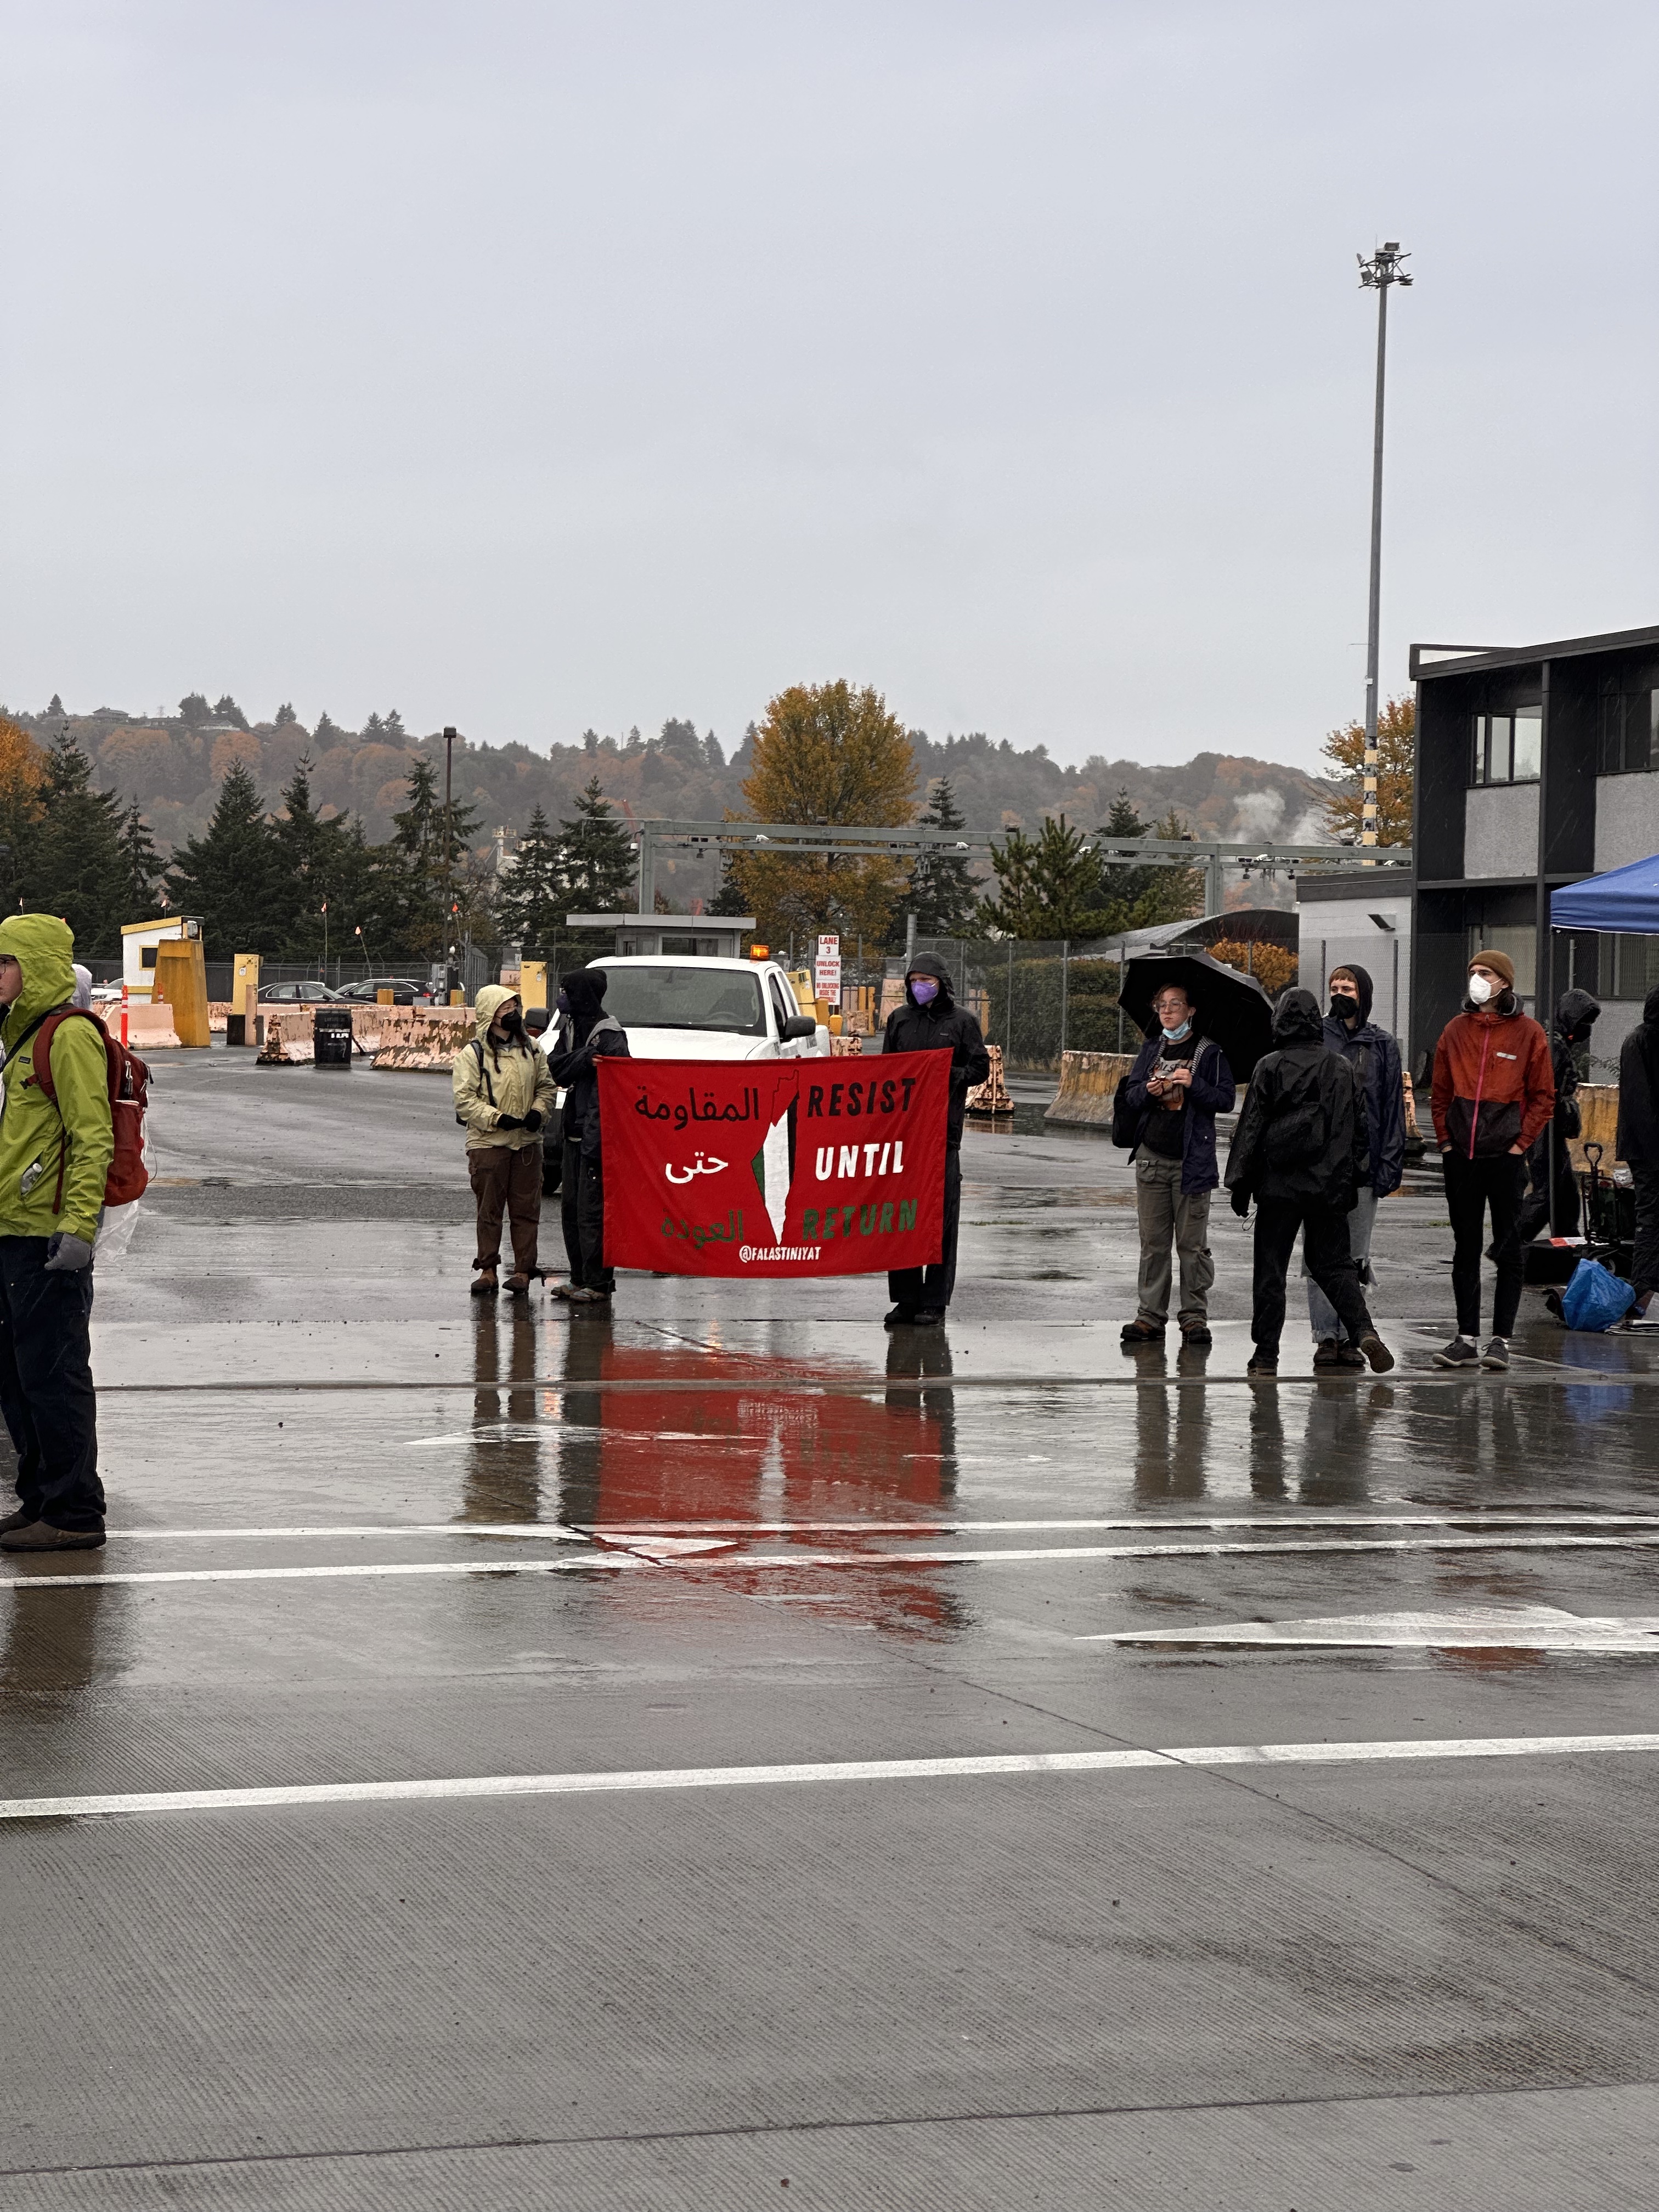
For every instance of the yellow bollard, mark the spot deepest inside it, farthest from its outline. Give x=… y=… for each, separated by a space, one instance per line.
x=532 y=983
x=385 y=997
x=243 y=1025
x=181 y=984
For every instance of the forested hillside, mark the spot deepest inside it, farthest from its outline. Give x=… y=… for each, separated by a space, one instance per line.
x=173 y=766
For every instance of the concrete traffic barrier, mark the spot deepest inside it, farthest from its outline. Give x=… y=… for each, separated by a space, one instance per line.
x=1087 y=1081
x=989 y=1101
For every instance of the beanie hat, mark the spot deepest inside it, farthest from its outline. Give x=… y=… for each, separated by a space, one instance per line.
x=1499 y=963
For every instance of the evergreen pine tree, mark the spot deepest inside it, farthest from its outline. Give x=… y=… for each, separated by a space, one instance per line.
x=320 y=856
x=942 y=893
x=145 y=866
x=285 y=715
x=74 y=863
x=1047 y=886
x=597 y=869
x=236 y=877
x=531 y=903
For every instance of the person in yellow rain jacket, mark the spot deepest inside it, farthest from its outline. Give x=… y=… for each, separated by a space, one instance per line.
x=47 y=1232
x=503 y=1093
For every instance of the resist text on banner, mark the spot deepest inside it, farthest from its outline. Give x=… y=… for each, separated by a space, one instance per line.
x=773 y=1167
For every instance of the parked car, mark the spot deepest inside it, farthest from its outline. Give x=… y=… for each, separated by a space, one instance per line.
x=297 y=994
x=405 y=991
x=683 y=1008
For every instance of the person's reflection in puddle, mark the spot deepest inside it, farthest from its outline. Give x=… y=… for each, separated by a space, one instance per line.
x=1266 y=1418
x=1172 y=1427
x=1336 y=1445
x=502 y=1481
x=54 y=1645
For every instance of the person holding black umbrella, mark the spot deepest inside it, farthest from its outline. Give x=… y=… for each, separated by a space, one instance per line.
x=1179 y=1083
x=1303 y=1150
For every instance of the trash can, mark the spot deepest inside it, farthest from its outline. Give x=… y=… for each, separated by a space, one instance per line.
x=332 y=1031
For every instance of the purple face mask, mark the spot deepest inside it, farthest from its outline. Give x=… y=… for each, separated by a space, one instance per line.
x=924 y=990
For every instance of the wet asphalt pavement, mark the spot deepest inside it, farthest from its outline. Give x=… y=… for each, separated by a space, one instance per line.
x=503 y=1608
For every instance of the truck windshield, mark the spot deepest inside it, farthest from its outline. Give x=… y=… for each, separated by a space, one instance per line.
x=642 y=995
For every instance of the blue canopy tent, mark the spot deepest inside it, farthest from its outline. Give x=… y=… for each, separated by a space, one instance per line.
x=1626 y=900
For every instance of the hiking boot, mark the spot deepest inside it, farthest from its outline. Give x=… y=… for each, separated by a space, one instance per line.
x=1496 y=1355
x=1198 y=1335
x=1264 y=1370
x=484 y=1284
x=1461 y=1351
x=517 y=1286
x=41 y=1536
x=1348 y=1355
x=900 y=1317
x=1328 y=1352
x=1378 y=1357
x=1142 y=1332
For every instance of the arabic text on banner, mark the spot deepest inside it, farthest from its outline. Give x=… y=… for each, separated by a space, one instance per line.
x=780 y=1167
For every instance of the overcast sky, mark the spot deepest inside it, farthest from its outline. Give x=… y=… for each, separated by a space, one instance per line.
x=535 y=366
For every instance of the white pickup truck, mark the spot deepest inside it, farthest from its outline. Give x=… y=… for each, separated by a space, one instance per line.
x=677 y=1007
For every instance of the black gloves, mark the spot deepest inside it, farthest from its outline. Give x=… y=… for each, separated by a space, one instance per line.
x=1241 y=1201
x=532 y=1121
x=508 y=1121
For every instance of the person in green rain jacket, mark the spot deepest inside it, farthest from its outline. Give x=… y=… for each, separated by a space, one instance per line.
x=47 y=1241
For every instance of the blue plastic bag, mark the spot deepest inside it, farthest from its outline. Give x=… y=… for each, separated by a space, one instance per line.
x=1595 y=1298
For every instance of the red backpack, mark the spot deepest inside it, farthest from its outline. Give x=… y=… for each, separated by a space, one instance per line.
x=129 y=1100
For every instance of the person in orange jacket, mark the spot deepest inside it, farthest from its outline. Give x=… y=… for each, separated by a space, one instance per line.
x=1494 y=1093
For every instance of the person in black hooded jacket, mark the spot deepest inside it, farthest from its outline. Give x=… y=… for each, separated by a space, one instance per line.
x=1637 y=1142
x=1302 y=1150
x=586 y=1033
x=1576 y=1015
x=930 y=1020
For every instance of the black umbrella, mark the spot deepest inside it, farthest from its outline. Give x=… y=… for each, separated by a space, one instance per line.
x=1231 y=1008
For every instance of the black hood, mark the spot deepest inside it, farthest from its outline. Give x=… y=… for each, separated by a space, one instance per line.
x=1362 y=977
x=929 y=964
x=1576 y=1014
x=1296 y=1018
x=585 y=989
x=1650 y=1009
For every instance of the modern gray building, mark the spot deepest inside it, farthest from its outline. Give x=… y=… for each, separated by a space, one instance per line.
x=1536 y=766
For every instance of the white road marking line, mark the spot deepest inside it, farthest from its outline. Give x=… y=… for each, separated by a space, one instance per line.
x=1476 y=1517
x=860 y=1769
x=1480 y=1628
x=590 y=1563
x=552 y=1531
x=1291 y=1550
x=614 y=1554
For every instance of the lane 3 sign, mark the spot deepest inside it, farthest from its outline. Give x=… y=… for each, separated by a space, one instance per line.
x=782 y=1167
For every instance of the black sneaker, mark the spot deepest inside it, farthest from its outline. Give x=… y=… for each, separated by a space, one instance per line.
x=1460 y=1352
x=1265 y=1370
x=929 y=1316
x=1141 y=1332
x=901 y=1318
x=1496 y=1355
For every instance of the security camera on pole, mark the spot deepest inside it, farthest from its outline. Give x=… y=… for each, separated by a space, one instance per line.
x=1384 y=267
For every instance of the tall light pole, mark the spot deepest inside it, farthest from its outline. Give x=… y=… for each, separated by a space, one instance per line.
x=449 y=864
x=1384 y=267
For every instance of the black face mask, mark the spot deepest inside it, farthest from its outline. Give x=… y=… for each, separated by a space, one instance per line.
x=514 y=1024
x=1343 y=1010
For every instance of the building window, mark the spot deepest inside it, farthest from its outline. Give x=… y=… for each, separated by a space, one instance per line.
x=1628 y=967
x=1508 y=748
x=1520 y=941
x=1630 y=731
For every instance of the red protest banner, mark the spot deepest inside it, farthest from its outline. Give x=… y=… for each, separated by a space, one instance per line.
x=779 y=1167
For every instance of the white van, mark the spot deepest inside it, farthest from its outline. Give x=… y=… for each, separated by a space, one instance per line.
x=676 y=1008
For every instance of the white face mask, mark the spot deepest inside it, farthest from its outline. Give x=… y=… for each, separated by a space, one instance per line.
x=1480 y=989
